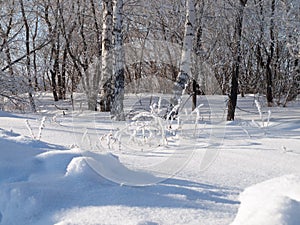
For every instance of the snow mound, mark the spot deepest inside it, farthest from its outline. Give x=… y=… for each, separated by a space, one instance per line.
x=111 y=168
x=78 y=166
x=33 y=185
x=17 y=156
x=54 y=163
x=273 y=202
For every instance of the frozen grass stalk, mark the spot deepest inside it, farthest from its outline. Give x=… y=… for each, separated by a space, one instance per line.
x=42 y=126
x=258 y=106
x=269 y=116
x=30 y=129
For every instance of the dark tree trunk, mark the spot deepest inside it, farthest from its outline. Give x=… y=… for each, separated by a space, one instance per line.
x=57 y=69
x=63 y=74
x=197 y=49
x=55 y=74
x=233 y=94
x=53 y=84
x=237 y=61
x=194 y=96
x=269 y=84
x=269 y=76
x=28 y=61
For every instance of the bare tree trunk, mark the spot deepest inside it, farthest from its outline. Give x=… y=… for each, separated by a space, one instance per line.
x=269 y=75
x=54 y=49
x=194 y=94
x=27 y=39
x=88 y=81
x=97 y=73
x=185 y=62
x=36 y=85
x=55 y=70
x=5 y=36
x=97 y=27
x=63 y=88
x=237 y=61
x=117 y=110
x=59 y=75
x=106 y=90
x=198 y=32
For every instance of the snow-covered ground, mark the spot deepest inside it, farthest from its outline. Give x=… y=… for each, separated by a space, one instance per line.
x=79 y=167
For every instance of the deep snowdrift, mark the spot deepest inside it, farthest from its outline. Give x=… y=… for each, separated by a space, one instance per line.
x=273 y=202
x=48 y=184
x=37 y=179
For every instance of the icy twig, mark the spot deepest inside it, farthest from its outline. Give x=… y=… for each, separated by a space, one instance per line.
x=30 y=129
x=42 y=126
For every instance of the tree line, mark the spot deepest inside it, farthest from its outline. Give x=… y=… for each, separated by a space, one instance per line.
x=64 y=46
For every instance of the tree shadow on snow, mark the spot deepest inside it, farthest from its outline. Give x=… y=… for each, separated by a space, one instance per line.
x=172 y=193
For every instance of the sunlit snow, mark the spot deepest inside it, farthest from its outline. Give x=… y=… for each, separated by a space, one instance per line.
x=49 y=176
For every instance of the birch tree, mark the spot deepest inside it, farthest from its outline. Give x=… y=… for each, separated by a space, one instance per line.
x=185 y=62
x=106 y=90
x=62 y=46
x=117 y=110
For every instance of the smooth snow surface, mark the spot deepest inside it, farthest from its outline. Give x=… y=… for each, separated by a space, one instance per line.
x=53 y=180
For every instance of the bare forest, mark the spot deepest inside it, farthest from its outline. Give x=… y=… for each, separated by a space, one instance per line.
x=81 y=46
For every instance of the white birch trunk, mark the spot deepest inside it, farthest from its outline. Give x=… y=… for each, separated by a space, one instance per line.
x=106 y=90
x=117 y=110
x=90 y=83
x=185 y=62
